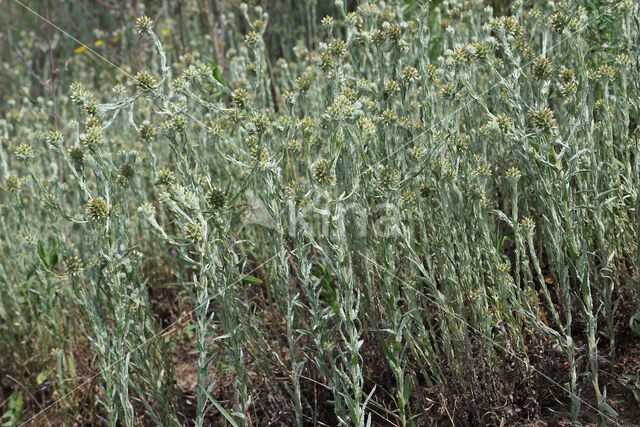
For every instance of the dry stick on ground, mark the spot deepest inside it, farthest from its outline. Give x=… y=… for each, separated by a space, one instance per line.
x=110 y=6
x=272 y=78
x=31 y=71
x=181 y=24
x=218 y=32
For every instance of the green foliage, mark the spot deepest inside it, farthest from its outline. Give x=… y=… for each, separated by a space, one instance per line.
x=13 y=415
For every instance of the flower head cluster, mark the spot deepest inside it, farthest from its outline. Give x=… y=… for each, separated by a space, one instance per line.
x=193 y=232
x=240 y=98
x=322 y=174
x=144 y=24
x=55 y=138
x=179 y=123
x=252 y=40
x=216 y=198
x=388 y=177
x=77 y=155
x=97 y=209
x=145 y=81
x=73 y=266
x=11 y=182
x=543 y=120
x=92 y=137
x=165 y=177
x=147 y=131
x=542 y=69
x=24 y=152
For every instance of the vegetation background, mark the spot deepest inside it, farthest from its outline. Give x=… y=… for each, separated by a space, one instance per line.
x=303 y=212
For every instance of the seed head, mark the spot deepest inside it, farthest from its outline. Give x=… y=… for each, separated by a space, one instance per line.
x=527 y=224
x=388 y=177
x=92 y=137
x=258 y=25
x=240 y=98
x=303 y=83
x=567 y=75
x=448 y=90
x=73 y=266
x=367 y=126
x=11 y=182
x=409 y=197
x=125 y=173
x=514 y=173
x=191 y=74
x=575 y=26
x=216 y=198
x=118 y=89
x=193 y=232
x=623 y=60
x=543 y=119
x=295 y=145
x=503 y=268
x=449 y=173
x=179 y=123
x=327 y=60
x=394 y=33
x=165 y=177
x=378 y=37
x=353 y=20
x=321 y=172
x=568 y=90
x=147 y=210
x=252 y=40
x=77 y=155
x=462 y=54
x=391 y=88
x=327 y=24
x=79 y=95
x=289 y=97
x=144 y=24
x=349 y=93
x=338 y=49
x=483 y=171
x=145 y=81
x=558 y=21
x=476 y=191
x=92 y=122
x=601 y=108
x=511 y=26
x=542 y=69
x=91 y=108
x=504 y=123
x=261 y=122
x=482 y=50
x=146 y=131
x=97 y=209
x=432 y=73
x=179 y=84
x=24 y=152
x=389 y=117
x=607 y=72
x=55 y=138
x=28 y=238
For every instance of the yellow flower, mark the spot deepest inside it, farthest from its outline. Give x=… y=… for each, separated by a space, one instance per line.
x=80 y=49
x=98 y=43
x=166 y=31
x=116 y=39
